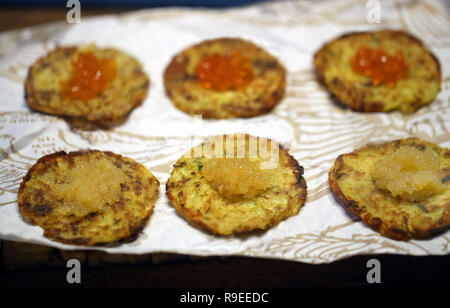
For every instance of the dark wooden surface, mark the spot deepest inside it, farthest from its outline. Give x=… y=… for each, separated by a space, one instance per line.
x=12 y=18
x=239 y=272
x=31 y=265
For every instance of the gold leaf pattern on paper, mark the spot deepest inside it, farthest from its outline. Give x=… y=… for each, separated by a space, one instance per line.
x=317 y=129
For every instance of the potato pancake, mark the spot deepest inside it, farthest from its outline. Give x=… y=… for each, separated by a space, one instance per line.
x=398 y=188
x=247 y=189
x=88 y=197
x=225 y=78
x=379 y=71
x=110 y=103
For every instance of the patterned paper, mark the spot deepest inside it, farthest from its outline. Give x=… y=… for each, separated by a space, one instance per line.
x=307 y=121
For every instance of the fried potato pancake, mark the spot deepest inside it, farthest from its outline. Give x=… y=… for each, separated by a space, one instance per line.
x=261 y=95
x=88 y=198
x=240 y=193
x=353 y=184
x=418 y=88
x=108 y=109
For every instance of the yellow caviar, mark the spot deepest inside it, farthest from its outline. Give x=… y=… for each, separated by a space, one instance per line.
x=88 y=187
x=237 y=178
x=409 y=173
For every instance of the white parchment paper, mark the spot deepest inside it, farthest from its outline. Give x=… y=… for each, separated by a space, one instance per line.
x=307 y=121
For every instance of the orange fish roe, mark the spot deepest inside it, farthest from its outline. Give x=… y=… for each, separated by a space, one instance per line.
x=90 y=77
x=223 y=72
x=380 y=66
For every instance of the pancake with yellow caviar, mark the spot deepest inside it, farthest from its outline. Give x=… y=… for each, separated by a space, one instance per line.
x=398 y=188
x=88 y=198
x=236 y=186
x=379 y=71
x=90 y=87
x=225 y=78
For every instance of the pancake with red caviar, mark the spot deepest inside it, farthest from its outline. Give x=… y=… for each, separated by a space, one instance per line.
x=379 y=71
x=236 y=186
x=225 y=78
x=400 y=188
x=90 y=87
x=88 y=198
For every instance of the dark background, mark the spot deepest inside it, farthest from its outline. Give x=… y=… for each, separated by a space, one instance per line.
x=16 y=14
x=132 y=3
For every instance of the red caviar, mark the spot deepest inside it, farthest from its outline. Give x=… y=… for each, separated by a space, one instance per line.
x=90 y=77
x=380 y=66
x=223 y=72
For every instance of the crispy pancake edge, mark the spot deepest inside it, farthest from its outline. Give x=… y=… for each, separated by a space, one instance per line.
x=81 y=122
x=376 y=223
x=52 y=233
x=293 y=209
x=264 y=104
x=344 y=95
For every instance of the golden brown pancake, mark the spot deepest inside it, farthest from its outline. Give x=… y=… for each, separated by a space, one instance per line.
x=261 y=95
x=235 y=195
x=88 y=198
x=418 y=88
x=399 y=202
x=108 y=109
